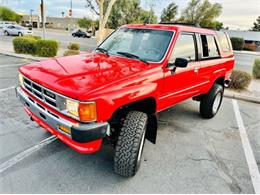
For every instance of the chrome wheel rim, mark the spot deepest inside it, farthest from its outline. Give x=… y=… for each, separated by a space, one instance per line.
x=216 y=103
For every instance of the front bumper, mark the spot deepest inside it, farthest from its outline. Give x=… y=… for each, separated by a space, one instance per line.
x=83 y=137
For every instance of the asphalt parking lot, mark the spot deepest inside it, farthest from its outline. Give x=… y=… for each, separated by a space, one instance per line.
x=192 y=155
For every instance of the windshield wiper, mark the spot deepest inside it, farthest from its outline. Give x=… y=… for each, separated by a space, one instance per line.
x=102 y=50
x=129 y=55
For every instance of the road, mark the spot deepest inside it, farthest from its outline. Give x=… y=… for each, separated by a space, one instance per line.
x=64 y=38
x=192 y=155
x=244 y=61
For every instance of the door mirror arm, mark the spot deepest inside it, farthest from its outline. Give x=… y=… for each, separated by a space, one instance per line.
x=179 y=62
x=171 y=67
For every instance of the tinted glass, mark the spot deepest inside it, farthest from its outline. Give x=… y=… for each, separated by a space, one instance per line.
x=223 y=39
x=148 y=44
x=209 y=46
x=184 y=48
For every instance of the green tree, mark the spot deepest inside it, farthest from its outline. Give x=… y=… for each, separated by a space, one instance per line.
x=128 y=12
x=103 y=11
x=85 y=23
x=124 y=12
x=256 y=26
x=201 y=12
x=216 y=25
x=7 y=14
x=169 y=13
x=144 y=16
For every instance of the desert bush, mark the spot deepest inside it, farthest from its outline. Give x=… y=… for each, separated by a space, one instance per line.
x=248 y=49
x=256 y=69
x=240 y=80
x=237 y=43
x=47 y=48
x=71 y=52
x=74 y=46
x=25 y=45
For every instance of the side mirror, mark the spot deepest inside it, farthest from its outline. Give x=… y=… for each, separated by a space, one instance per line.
x=181 y=62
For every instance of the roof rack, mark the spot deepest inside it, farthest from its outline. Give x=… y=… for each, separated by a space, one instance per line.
x=180 y=23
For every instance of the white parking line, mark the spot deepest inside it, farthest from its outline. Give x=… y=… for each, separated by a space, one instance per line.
x=5 y=89
x=250 y=158
x=4 y=166
x=10 y=65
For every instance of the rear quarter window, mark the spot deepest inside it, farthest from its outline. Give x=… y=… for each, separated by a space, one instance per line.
x=224 y=41
x=209 y=46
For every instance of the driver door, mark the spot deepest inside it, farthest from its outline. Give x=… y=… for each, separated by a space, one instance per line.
x=181 y=82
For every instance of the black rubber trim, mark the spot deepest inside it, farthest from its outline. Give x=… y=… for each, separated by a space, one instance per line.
x=88 y=132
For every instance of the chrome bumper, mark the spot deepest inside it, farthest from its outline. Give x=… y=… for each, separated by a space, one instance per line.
x=80 y=132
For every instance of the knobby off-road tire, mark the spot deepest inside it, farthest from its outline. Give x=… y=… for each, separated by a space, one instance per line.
x=210 y=102
x=130 y=144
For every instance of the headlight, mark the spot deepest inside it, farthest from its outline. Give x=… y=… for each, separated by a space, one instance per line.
x=21 y=80
x=72 y=107
x=85 y=112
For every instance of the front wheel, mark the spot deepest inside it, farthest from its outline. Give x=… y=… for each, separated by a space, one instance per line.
x=130 y=143
x=20 y=34
x=210 y=102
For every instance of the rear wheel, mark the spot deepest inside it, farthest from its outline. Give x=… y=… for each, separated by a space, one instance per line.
x=74 y=35
x=7 y=33
x=210 y=102
x=130 y=143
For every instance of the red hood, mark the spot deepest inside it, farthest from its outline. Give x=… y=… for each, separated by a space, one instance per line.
x=76 y=75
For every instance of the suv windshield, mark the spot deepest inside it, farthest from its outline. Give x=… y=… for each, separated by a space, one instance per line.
x=147 y=44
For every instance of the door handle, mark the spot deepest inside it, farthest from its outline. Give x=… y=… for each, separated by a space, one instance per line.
x=196 y=69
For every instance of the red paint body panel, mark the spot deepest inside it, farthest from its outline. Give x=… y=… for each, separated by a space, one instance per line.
x=116 y=81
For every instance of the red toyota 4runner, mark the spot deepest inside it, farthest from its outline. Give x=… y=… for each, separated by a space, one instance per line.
x=115 y=92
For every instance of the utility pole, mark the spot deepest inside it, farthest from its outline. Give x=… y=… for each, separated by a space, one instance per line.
x=31 y=11
x=43 y=18
x=70 y=14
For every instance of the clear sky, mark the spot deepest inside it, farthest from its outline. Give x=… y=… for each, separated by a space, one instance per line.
x=237 y=14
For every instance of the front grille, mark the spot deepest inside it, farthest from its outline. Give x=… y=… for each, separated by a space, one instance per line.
x=41 y=93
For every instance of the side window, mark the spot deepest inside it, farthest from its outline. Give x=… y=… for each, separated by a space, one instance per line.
x=223 y=39
x=184 y=48
x=209 y=46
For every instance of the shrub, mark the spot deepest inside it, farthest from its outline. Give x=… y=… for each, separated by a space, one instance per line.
x=26 y=45
x=240 y=80
x=71 y=52
x=256 y=68
x=74 y=46
x=47 y=48
x=248 y=49
x=237 y=43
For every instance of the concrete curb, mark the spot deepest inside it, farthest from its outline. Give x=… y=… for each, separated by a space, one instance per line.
x=255 y=53
x=23 y=56
x=242 y=97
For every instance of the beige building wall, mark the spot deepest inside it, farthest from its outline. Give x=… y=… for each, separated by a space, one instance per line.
x=51 y=22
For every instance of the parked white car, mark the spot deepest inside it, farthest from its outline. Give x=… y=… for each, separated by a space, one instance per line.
x=16 y=30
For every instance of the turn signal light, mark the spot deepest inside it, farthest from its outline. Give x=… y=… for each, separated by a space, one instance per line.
x=87 y=112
